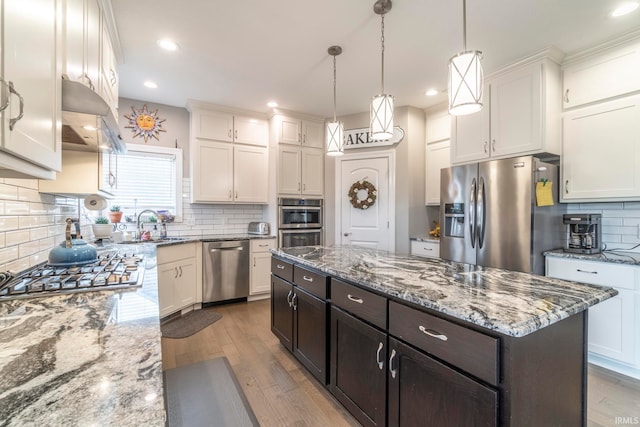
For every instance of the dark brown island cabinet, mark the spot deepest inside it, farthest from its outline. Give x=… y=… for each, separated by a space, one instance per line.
x=391 y=363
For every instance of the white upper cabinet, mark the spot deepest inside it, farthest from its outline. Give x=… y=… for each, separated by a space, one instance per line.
x=82 y=33
x=521 y=115
x=602 y=75
x=227 y=127
x=296 y=131
x=601 y=152
x=438 y=153
x=228 y=155
x=300 y=165
x=30 y=87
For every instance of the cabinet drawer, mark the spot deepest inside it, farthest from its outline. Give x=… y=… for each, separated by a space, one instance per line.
x=282 y=269
x=311 y=281
x=173 y=253
x=428 y=249
x=467 y=349
x=594 y=273
x=364 y=304
x=262 y=245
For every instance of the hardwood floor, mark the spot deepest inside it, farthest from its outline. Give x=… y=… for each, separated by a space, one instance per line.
x=282 y=393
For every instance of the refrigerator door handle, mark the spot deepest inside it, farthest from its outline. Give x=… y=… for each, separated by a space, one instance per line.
x=481 y=208
x=472 y=213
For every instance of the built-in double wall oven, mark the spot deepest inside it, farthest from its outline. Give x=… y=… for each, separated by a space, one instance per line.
x=300 y=222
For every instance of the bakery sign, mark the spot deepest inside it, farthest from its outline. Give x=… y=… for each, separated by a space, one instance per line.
x=361 y=138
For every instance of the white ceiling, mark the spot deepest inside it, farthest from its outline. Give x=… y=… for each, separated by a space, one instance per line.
x=243 y=53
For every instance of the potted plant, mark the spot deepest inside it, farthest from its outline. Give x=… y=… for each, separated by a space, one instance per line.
x=101 y=228
x=115 y=215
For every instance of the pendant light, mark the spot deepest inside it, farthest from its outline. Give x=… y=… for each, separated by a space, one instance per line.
x=465 y=76
x=381 y=110
x=335 y=129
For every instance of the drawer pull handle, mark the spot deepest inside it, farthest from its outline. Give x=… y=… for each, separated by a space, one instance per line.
x=355 y=299
x=263 y=246
x=307 y=278
x=432 y=333
x=289 y=298
x=586 y=271
x=380 y=362
x=428 y=249
x=393 y=371
x=280 y=266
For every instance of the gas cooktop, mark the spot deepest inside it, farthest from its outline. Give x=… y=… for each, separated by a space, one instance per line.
x=112 y=270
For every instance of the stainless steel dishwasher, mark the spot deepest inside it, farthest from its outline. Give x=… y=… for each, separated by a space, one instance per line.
x=225 y=270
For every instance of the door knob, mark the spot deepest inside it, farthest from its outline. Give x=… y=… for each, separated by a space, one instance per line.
x=347 y=234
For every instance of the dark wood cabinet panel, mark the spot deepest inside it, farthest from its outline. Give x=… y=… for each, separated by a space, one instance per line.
x=314 y=283
x=358 y=368
x=364 y=304
x=425 y=392
x=282 y=268
x=281 y=311
x=310 y=328
x=469 y=350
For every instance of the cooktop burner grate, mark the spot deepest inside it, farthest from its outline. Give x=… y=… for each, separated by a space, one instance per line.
x=112 y=270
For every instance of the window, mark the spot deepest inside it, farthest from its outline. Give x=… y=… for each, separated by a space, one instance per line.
x=148 y=178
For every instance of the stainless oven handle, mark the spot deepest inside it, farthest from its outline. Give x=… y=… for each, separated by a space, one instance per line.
x=302 y=230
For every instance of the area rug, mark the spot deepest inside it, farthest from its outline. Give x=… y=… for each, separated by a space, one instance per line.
x=189 y=324
x=206 y=394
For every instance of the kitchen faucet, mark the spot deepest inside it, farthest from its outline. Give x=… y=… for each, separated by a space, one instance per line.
x=163 y=232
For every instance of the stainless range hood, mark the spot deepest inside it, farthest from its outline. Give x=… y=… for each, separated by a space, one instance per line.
x=87 y=121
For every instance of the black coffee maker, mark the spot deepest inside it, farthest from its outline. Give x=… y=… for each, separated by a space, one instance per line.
x=584 y=233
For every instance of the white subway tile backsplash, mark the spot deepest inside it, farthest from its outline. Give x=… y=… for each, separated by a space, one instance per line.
x=16 y=208
x=17 y=237
x=27 y=249
x=8 y=192
x=8 y=254
x=29 y=195
x=17 y=265
x=619 y=222
x=9 y=223
x=23 y=183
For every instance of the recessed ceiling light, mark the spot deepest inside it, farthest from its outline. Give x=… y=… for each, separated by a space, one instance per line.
x=272 y=104
x=432 y=92
x=167 y=44
x=151 y=85
x=624 y=8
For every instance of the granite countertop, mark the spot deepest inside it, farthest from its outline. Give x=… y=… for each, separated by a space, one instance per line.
x=90 y=358
x=425 y=238
x=618 y=257
x=508 y=302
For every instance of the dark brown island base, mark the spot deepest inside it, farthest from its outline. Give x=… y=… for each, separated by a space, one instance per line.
x=403 y=341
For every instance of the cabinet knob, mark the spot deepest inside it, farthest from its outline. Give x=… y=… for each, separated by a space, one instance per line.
x=566 y=187
x=566 y=96
x=485 y=147
x=236 y=134
x=229 y=133
x=493 y=146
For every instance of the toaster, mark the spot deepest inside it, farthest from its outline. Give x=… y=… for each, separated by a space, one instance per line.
x=259 y=228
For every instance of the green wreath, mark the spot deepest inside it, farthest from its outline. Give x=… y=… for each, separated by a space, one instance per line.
x=368 y=201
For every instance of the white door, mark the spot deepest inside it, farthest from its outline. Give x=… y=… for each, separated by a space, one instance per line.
x=372 y=227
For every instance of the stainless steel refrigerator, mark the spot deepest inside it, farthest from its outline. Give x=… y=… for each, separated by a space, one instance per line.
x=489 y=214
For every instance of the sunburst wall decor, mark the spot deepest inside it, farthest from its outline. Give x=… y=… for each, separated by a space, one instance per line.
x=144 y=123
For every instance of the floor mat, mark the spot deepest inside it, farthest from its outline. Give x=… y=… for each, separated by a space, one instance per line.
x=189 y=324
x=206 y=394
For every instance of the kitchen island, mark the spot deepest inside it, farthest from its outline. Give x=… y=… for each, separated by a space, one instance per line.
x=79 y=359
x=500 y=347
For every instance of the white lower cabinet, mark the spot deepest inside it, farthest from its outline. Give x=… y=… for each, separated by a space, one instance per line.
x=425 y=248
x=177 y=277
x=614 y=325
x=260 y=270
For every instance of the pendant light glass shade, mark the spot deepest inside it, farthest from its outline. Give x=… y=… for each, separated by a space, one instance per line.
x=466 y=79
x=335 y=138
x=465 y=83
x=381 y=110
x=381 y=117
x=335 y=128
